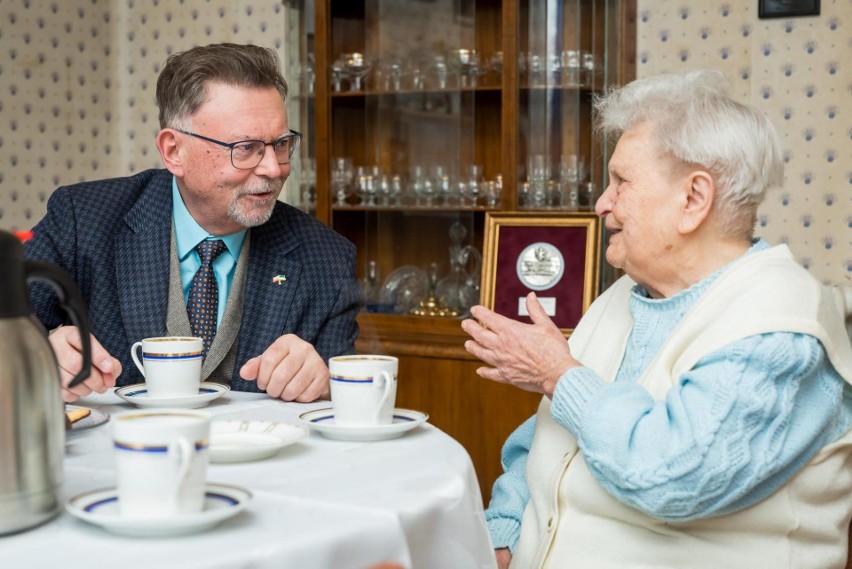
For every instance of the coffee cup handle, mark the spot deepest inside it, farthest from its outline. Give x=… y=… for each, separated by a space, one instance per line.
x=136 y=358
x=182 y=453
x=383 y=380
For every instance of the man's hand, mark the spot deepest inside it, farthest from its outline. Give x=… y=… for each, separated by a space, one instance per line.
x=290 y=369
x=530 y=356
x=66 y=344
x=504 y=557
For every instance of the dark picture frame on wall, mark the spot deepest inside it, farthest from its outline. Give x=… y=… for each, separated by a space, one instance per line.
x=555 y=255
x=787 y=8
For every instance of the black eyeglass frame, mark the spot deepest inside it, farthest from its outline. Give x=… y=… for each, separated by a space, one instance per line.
x=292 y=134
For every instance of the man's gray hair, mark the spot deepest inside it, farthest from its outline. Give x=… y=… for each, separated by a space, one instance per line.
x=182 y=84
x=697 y=122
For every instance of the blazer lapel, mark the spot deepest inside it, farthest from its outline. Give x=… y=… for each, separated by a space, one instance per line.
x=271 y=284
x=142 y=261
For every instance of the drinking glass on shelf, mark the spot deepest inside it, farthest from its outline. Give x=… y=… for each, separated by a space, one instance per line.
x=383 y=190
x=465 y=62
x=495 y=62
x=422 y=188
x=415 y=71
x=338 y=71
x=536 y=68
x=397 y=192
x=307 y=76
x=439 y=69
x=572 y=168
x=341 y=178
x=308 y=185
x=369 y=191
x=588 y=195
x=569 y=195
x=371 y=287
x=473 y=187
x=538 y=173
x=355 y=67
x=588 y=73
x=490 y=193
x=571 y=67
x=554 y=68
x=360 y=189
x=389 y=75
x=524 y=195
x=440 y=181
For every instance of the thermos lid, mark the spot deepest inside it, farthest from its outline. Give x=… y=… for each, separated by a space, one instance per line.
x=14 y=298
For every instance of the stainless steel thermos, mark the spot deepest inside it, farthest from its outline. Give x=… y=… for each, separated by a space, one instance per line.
x=32 y=418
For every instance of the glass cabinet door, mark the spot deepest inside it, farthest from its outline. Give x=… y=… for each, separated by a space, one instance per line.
x=560 y=68
x=414 y=111
x=299 y=70
x=420 y=116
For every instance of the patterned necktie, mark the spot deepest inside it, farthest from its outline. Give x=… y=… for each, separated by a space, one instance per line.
x=203 y=303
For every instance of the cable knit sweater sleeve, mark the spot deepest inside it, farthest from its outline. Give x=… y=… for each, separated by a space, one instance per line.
x=510 y=494
x=734 y=429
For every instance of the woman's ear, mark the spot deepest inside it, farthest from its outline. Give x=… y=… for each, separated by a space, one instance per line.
x=170 y=151
x=700 y=194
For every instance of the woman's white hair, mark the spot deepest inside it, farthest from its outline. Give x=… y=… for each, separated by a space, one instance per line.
x=697 y=122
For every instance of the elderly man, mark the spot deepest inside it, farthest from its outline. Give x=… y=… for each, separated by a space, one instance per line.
x=204 y=247
x=700 y=414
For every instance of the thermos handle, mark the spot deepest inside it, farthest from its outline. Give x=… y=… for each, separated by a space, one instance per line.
x=72 y=302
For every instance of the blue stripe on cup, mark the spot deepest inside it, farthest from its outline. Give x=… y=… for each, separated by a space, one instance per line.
x=348 y=380
x=171 y=357
x=200 y=445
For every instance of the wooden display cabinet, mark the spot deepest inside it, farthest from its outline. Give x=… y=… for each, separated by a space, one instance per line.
x=412 y=104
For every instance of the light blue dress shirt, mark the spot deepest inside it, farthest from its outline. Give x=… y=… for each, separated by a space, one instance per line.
x=188 y=235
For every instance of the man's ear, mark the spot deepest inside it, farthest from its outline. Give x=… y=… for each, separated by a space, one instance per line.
x=170 y=151
x=700 y=191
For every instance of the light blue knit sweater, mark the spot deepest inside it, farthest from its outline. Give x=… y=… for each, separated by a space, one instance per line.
x=748 y=416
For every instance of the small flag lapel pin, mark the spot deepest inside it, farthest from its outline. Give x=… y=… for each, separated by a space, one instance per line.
x=279 y=279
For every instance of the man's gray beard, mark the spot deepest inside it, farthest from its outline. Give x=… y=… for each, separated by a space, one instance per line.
x=255 y=216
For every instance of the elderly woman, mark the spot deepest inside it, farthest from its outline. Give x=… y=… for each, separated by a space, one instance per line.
x=700 y=414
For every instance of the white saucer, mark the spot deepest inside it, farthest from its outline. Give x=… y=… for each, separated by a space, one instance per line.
x=100 y=507
x=138 y=395
x=243 y=441
x=95 y=419
x=322 y=421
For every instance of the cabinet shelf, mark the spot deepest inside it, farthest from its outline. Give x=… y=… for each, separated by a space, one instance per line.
x=413 y=209
x=414 y=92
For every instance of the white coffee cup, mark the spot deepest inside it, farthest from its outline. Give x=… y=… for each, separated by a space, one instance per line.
x=363 y=389
x=161 y=461
x=171 y=365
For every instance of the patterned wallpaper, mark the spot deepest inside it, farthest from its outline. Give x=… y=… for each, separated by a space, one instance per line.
x=77 y=82
x=799 y=72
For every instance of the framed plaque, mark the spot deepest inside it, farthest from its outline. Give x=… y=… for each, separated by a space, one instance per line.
x=556 y=255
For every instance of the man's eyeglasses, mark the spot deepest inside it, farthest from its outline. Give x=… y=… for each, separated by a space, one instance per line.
x=247 y=154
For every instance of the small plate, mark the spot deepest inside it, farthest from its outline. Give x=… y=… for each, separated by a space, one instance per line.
x=95 y=419
x=138 y=395
x=322 y=421
x=100 y=507
x=244 y=441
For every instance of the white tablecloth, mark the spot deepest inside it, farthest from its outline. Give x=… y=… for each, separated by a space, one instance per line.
x=319 y=504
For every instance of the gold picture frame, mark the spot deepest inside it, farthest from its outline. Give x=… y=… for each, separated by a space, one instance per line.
x=557 y=255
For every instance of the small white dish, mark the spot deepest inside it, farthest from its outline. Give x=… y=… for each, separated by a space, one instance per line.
x=96 y=418
x=322 y=421
x=100 y=507
x=244 y=441
x=138 y=395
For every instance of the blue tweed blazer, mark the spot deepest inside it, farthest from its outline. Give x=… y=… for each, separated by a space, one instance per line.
x=113 y=237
